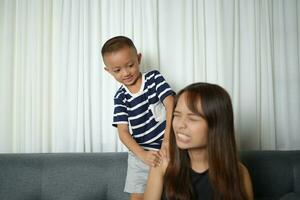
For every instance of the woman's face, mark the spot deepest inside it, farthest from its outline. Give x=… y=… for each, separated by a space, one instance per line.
x=190 y=128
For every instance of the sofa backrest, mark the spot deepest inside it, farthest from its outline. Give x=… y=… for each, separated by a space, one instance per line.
x=274 y=174
x=63 y=176
x=101 y=176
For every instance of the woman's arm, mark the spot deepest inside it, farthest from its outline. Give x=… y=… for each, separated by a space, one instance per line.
x=154 y=186
x=155 y=181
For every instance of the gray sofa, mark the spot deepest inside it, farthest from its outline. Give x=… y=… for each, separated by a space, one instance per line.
x=100 y=176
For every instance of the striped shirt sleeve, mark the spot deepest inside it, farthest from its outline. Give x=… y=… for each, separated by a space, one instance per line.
x=120 y=111
x=163 y=89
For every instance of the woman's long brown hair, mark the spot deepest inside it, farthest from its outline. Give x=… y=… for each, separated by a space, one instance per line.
x=224 y=173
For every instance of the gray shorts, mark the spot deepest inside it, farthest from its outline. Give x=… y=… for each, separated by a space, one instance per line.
x=137 y=174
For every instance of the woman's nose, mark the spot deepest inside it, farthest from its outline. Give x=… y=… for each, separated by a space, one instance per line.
x=182 y=124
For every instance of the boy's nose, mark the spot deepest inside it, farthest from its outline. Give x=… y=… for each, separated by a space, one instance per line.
x=126 y=72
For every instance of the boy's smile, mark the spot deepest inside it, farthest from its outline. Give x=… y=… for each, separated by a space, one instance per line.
x=123 y=65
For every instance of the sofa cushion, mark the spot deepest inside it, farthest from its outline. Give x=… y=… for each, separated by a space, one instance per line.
x=296 y=159
x=271 y=172
x=89 y=176
x=291 y=196
x=20 y=177
x=63 y=176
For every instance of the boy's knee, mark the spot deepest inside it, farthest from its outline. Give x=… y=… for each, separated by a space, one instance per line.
x=136 y=196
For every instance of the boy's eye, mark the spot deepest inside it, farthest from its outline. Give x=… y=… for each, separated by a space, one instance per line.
x=116 y=70
x=131 y=65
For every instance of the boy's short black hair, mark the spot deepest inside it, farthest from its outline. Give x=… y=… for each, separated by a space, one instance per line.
x=117 y=43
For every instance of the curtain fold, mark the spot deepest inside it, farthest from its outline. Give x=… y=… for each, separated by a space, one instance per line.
x=55 y=95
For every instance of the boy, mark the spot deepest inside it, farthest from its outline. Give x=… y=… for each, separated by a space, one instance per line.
x=143 y=108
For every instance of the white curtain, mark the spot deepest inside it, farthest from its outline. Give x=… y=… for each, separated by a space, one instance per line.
x=56 y=97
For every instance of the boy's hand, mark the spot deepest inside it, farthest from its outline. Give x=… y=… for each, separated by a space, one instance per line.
x=151 y=158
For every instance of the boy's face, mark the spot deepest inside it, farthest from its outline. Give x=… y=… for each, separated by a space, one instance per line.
x=123 y=65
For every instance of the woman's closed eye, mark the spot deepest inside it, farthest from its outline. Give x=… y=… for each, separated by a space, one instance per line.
x=194 y=118
x=190 y=117
x=176 y=114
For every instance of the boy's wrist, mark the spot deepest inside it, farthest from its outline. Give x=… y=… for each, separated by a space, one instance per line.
x=140 y=153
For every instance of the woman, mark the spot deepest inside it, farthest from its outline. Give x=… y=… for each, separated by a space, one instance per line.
x=203 y=161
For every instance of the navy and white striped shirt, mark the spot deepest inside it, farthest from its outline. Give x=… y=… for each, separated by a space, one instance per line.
x=143 y=111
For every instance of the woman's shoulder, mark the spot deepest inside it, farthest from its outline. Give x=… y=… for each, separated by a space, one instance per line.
x=244 y=172
x=243 y=168
x=247 y=180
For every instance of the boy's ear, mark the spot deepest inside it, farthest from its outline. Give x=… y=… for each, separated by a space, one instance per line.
x=139 y=57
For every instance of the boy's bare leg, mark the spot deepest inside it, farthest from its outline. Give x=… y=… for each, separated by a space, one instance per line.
x=136 y=196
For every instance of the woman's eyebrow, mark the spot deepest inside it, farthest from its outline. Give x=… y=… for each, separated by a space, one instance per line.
x=193 y=114
x=189 y=114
